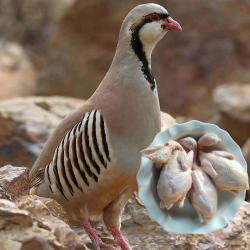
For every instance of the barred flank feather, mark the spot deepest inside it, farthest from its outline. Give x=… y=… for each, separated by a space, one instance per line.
x=81 y=156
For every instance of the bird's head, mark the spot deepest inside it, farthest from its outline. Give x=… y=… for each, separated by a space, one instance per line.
x=148 y=23
x=141 y=30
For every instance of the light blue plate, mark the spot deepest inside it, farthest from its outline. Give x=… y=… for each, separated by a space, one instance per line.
x=185 y=220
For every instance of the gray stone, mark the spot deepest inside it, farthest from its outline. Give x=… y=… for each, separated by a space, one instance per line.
x=26 y=123
x=14 y=181
x=233 y=104
x=17 y=74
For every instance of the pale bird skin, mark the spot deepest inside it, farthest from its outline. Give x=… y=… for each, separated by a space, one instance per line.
x=176 y=167
x=203 y=195
x=174 y=182
x=208 y=140
x=89 y=164
x=227 y=173
x=189 y=143
x=160 y=154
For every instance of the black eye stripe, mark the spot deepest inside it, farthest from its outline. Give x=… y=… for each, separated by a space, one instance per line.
x=163 y=16
x=147 y=18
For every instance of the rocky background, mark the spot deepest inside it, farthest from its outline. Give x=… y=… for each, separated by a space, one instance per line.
x=64 y=48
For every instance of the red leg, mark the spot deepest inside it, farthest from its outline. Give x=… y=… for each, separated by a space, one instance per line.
x=96 y=241
x=118 y=237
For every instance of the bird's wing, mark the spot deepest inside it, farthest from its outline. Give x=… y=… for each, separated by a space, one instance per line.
x=47 y=153
x=81 y=156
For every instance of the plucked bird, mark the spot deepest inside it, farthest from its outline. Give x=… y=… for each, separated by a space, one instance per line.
x=89 y=164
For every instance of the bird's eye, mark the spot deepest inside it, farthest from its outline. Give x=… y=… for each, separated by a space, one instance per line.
x=153 y=17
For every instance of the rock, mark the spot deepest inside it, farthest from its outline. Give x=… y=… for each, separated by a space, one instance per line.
x=166 y=121
x=38 y=208
x=3 y=193
x=36 y=242
x=42 y=207
x=143 y=233
x=4 y=204
x=233 y=103
x=11 y=215
x=246 y=153
x=187 y=65
x=29 y=224
x=47 y=231
x=32 y=222
x=183 y=119
x=14 y=181
x=26 y=123
x=17 y=75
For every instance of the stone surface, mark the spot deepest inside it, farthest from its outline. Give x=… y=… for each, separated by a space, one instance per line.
x=143 y=233
x=29 y=225
x=30 y=222
x=233 y=103
x=187 y=64
x=166 y=121
x=26 y=123
x=17 y=75
x=10 y=214
x=246 y=153
x=14 y=181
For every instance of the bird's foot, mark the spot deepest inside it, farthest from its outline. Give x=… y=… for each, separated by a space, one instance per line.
x=98 y=244
x=119 y=240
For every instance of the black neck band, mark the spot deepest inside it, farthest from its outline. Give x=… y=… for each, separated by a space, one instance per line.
x=140 y=53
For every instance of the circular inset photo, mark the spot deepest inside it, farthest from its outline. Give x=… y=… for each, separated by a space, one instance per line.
x=192 y=192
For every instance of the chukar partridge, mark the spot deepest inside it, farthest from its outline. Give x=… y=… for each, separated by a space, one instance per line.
x=89 y=164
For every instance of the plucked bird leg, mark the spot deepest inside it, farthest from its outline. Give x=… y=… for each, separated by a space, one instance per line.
x=96 y=241
x=111 y=217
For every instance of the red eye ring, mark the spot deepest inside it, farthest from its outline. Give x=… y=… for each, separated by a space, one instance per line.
x=153 y=17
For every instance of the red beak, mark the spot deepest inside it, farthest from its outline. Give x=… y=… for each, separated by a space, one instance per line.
x=171 y=24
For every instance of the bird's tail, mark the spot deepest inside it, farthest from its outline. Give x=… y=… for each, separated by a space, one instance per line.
x=36 y=181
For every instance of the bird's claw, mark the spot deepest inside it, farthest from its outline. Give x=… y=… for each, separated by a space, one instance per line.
x=103 y=246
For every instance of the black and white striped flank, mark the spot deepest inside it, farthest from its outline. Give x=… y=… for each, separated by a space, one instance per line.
x=80 y=157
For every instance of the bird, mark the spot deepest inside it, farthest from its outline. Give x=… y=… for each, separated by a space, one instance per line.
x=89 y=163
